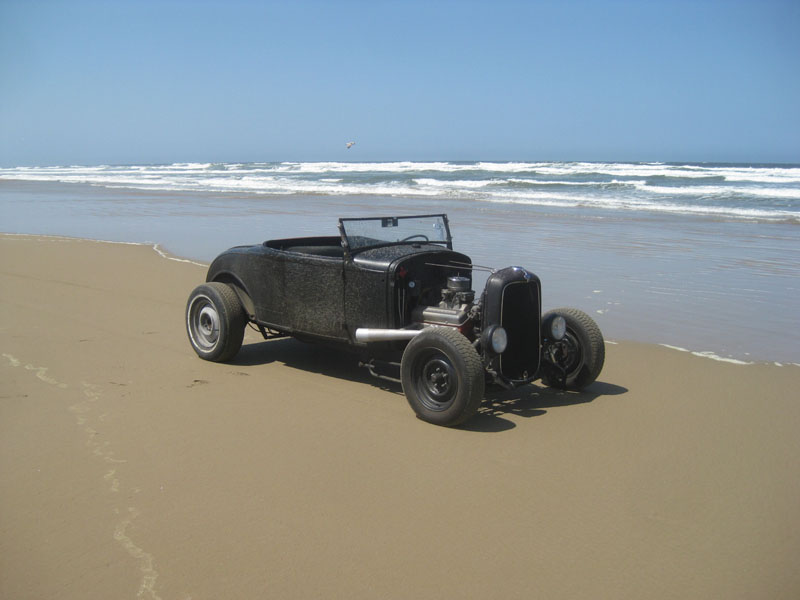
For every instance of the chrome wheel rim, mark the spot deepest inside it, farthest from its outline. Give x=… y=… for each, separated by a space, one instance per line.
x=203 y=323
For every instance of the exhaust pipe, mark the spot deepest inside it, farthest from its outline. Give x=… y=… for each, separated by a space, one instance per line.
x=366 y=335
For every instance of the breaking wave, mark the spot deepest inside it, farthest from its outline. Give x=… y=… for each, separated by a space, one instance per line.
x=740 y=192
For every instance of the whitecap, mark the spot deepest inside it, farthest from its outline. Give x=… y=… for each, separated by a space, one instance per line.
x=708 y=354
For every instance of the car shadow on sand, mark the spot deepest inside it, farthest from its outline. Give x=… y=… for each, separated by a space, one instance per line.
x=531 y=400
x=527 y=401
x=312 y=358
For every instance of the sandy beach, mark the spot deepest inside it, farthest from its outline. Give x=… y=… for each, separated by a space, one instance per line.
x=130 y=468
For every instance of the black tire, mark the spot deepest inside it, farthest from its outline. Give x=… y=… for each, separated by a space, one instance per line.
x=579 y=355
x=442 y=376
x=215 y=321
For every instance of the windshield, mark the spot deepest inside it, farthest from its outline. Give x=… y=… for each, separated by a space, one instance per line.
x=380 y=231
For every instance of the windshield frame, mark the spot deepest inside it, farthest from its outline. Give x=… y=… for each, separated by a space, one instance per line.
x=351 y=245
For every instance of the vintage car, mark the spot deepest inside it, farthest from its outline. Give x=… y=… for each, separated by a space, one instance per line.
x=393 y=290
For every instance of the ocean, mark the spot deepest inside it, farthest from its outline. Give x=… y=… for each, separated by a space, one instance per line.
x=702 y=257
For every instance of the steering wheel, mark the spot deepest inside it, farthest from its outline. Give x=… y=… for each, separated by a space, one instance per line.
x=416 y=235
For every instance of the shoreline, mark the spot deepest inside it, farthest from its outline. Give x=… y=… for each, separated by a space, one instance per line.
x=709 y=285
x=155 y=246
x=128 y=466
x=165 y=253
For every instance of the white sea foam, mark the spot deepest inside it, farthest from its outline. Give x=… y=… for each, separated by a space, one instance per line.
x=584 y=184
x=456 y=184
x=763 y=175
x=565 y=200
x=553 y=199
x=709 y=190
x=773 y=195
x=708 y=354
x=772 y=175
x=387 y=167
x=620 y=170
x=793 y=194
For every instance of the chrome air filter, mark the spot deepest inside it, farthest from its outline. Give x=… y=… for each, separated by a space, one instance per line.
x=458 y=284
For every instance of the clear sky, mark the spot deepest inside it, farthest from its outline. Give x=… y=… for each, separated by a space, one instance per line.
x=140 y=81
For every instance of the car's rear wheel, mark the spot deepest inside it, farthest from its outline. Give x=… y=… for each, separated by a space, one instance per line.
x=442 y=376
x=577 y=359
x=215 y=321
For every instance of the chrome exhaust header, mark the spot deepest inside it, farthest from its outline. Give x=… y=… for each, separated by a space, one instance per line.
x=366 y=334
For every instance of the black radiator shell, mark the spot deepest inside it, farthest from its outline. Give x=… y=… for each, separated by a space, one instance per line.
x=512 y=299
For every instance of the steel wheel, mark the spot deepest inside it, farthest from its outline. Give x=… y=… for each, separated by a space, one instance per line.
x=203 y=323
x=576 y=360
x=436 y=381
x=215 y=321
x=442 y=376
x=567 y=354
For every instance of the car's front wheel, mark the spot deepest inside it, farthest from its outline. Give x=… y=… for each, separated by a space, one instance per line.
x=215 y=321
x=574 y=361
x=442 y=376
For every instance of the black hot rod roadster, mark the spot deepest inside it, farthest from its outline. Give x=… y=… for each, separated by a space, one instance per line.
x=394 y=290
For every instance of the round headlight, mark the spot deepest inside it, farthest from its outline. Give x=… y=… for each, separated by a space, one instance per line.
x=499 y=340
x=494 y=339
x=558 y=327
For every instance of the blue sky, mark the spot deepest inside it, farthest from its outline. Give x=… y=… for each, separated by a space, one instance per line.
x=170 y=81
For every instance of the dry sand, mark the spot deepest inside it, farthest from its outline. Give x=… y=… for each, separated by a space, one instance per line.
x=129 y=468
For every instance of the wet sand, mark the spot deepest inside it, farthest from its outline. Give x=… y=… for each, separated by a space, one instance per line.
x=129 y=468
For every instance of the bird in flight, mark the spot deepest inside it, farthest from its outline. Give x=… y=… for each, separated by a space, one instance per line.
x=349 y=144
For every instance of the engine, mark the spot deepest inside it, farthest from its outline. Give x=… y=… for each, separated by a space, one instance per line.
x=455 y=308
